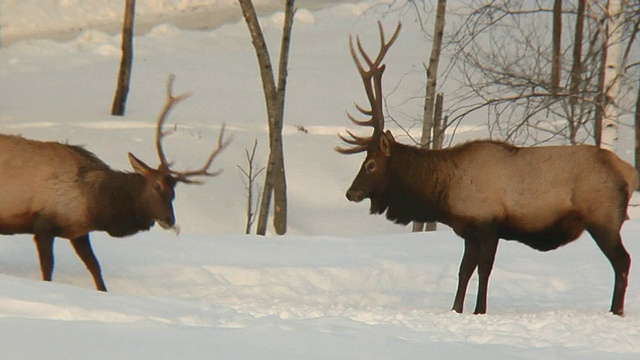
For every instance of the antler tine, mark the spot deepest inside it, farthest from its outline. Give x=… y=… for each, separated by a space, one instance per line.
x=349 y=151
x=377 y=69
x=171 y=101
x=360 y=143
x=355 y=56
x=360 y=122
x=183 y=176
x=364 y=53
x=372 y=80
x=363 y=110
x=357 y=140
x=384 y=46
x=366 y=78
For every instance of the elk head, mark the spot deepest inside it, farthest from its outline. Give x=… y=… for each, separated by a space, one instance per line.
x=158 y=193
x=370 y=181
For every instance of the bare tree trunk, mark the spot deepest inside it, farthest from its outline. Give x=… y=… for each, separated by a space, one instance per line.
x=438 y=138
x=265 y=202
x=600 y=102
x=275 y=180
x=280 y=183
x=556 y=42
x=637 y=126
x=576 y=71
x=432 y=80
x=268 y=85
x=124 y=75
x=439 y=124
x=612 y=73
x=432 y=75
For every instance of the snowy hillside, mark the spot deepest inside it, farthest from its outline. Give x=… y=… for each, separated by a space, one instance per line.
x=341 y=284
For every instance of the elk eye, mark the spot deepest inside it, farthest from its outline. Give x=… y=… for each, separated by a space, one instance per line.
x=370 y=166
x=170 y=181
x=158 y=187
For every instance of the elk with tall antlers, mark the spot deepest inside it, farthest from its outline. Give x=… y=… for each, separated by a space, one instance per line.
x=544 y=197
x=53 y=190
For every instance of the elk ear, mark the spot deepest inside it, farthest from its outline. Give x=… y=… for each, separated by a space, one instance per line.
x=385 y=143
x=389 y=136
x=138 y=165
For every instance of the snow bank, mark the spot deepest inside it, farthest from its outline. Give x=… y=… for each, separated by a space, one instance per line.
x=342 y=284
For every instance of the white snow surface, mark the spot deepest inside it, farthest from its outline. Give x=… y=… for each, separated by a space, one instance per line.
x=341 y=284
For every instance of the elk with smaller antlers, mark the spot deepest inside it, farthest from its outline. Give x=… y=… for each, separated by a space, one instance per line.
x=544 y=197
x=51 y=190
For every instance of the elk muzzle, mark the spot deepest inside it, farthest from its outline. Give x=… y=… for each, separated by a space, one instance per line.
x=167 y=222
x=355 y=195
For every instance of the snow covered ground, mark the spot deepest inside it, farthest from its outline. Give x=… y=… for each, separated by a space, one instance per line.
x=340 y=285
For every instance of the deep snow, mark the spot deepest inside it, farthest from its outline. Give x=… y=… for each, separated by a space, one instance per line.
x=342 y=284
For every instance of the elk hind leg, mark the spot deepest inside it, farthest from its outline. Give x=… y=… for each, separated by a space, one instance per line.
x=44 y=246
x=467 y=267
x=486 y=258
x=82 y=246
x=610 y=243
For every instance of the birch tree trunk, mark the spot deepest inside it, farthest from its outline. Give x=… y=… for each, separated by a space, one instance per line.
x=439 y=124
x=556 y=43
x=124 y=74
x=576 y=71
x=275 y=179
x=612 y=71
x=280 y=183
x=600 y=102
x=637 y=128
x=429 y=99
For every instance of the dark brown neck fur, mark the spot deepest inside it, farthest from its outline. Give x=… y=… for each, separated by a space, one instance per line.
x=118 y=210
x=418 y=185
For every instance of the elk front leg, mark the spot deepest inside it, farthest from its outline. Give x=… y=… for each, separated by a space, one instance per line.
x=486 y=257
x=467 y=267
x=83 y=249
x=44 y=245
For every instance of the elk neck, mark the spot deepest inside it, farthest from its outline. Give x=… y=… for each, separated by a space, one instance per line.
x=118 y=204
x=418 y=183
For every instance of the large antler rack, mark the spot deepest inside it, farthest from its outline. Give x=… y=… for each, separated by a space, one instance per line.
x=184 y=176
x=372 y=80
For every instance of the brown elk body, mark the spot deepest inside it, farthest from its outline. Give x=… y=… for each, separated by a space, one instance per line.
x=53 y=190
x=544 y=197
